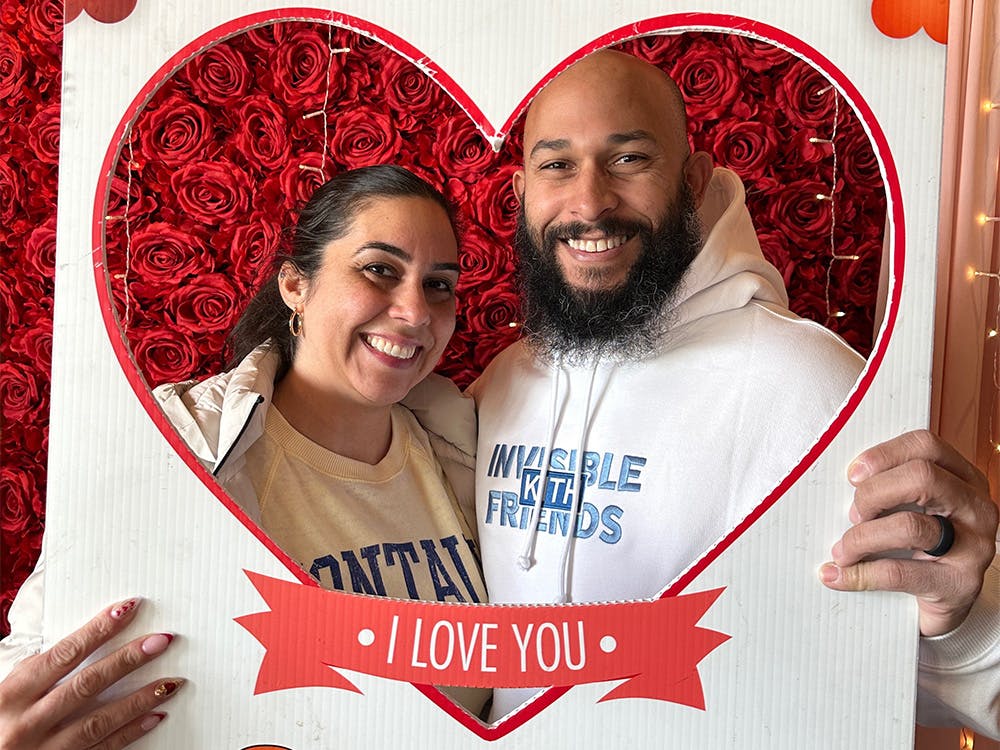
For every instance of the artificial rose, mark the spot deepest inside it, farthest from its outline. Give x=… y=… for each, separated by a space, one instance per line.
x=301 y=72
x=218 y=76
x=22 y=396
x=40 y=248
x=178 y=131
x=205 y=304
x=859 y=165
x=43 y=135
x=710 y=80
x=747 y=148
x=857 y=281
x=163 y=252
x=11 y=191
x=365 y=136
x=45 y=21
x=253 y=249
x=211 y=192
x=31 y=342
x=484 y=262
x=461 y=150
x=262 y=136
x=413 y=95
x=20 y=498
x=494 y=203
x=293 y=186
x=490 y=314
x=166 y=354
x=779 y=251
x=804 y=217
x=808 y=99
x=758 y=55
x=659 y=49
x=13 y=70
x=363 y=80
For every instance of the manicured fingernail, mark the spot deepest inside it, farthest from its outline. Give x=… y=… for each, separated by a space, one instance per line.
x=156 y=644
x=829 y=573
x=858 y=471
x=151 y=721
x=123 y=609
x=167 y=688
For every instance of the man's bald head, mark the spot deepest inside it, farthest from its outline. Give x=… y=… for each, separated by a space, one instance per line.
x=613 y=78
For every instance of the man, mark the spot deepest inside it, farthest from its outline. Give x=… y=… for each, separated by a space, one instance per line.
x=655 y=334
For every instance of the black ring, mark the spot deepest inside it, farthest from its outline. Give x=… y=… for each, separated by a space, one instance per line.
x=946 y=539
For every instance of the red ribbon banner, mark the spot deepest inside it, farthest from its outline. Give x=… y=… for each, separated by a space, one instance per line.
x=654 y=645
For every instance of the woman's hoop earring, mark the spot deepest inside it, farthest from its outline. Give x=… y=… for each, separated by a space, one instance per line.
x=295 y=324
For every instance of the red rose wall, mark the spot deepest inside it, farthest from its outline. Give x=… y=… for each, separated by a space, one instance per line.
x=203 y=126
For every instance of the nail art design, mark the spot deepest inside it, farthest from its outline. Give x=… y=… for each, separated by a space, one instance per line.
x=166 y=688
x=124 y=608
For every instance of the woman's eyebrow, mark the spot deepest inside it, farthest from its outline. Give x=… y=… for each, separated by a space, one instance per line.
x=403 y=255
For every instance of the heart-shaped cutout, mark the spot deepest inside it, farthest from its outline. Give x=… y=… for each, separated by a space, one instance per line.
x=222 y=145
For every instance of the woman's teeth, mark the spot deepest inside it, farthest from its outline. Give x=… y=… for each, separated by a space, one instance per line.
x=387 y=347
x=597 y=246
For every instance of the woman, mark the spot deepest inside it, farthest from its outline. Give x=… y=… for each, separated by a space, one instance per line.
x=307 y=434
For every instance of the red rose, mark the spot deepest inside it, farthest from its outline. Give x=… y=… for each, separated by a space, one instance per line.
x=177 y=131
x=490 y=315
x=205 y=304
x=44 y=27
x=778 y=250
x=461 y=150
x=659 y=49
x=710 y=80
x=859 y=164
x=747 y=148
x=253 y=249
x=484 y=262
x=20 y=507
x=13 y=70
x=262 y=137
x=299 y=68
x=857 y=281
x=805 y=218
x=40 y=248
x=32 y=341
x=211 y=191
x=125 y=197
x=758 y=55
x=807 y=98
x=219 y=75
x=494 y=204
x=290 y=189
x=11 y=192
x=365 y=136
x=415 y=98
x=22 y=396
x=164 y=354
x=160 y=251
x=43 y=135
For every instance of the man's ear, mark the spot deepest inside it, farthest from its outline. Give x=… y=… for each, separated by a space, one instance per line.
x=292 y=285
x=698 y=170
x=517 y=181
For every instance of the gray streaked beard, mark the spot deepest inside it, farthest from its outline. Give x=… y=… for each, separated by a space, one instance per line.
x=621 y=324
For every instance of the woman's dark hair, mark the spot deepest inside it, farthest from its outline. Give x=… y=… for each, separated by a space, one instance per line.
x=327 y=216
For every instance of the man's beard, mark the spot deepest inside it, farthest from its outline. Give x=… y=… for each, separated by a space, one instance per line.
x=624 y=323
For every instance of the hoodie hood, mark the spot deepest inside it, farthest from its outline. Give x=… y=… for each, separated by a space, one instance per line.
x=730 y=270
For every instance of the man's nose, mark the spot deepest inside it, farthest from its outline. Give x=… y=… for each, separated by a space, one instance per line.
x=594 y=194
x=410 y=305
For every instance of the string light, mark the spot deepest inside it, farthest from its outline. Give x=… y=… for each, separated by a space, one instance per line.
x=123 y=277
x=321 y=169
x=989 y=106
x=983 y=219
x=830 y=198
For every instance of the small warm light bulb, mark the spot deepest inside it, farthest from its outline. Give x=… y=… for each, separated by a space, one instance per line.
x=989 y=106
x=991 y=333
x=839 y=314
x=968 y=738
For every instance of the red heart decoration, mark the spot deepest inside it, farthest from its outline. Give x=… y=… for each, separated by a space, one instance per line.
x=220 y=148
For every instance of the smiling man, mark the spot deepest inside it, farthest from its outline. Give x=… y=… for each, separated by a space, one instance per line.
x=663 y=389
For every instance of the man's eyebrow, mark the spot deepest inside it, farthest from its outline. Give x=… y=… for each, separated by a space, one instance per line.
x=615 y=139
x=400 y=253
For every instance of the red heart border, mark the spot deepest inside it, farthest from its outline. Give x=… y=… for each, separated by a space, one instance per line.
x=680 y=22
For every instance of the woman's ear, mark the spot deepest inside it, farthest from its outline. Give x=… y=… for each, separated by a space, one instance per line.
x=292 y=285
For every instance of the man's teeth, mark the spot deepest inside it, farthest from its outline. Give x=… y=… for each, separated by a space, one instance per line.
x=597 y=246
x=387 y=347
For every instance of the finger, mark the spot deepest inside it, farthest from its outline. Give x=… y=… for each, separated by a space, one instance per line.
x=130 y=732
x=919 y=445
x=917 y=577
x=899 y=531
x=88 y=683
x=103 y=724
x=36 y=675
x=919 y=482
